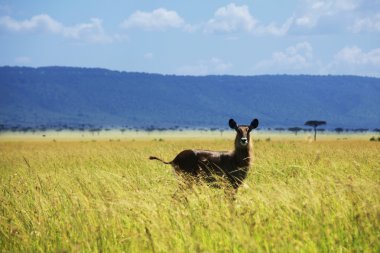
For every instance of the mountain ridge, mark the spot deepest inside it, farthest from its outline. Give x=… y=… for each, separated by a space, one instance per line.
x=101 y=97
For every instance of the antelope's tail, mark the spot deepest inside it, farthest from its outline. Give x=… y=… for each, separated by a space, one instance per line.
x=156 y=158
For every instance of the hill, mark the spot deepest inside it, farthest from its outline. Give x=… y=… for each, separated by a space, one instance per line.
x=69 y=96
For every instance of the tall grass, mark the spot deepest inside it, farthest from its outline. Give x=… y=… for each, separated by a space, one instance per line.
x=108 y=197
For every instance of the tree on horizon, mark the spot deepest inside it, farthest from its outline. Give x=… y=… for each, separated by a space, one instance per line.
x=315 y=124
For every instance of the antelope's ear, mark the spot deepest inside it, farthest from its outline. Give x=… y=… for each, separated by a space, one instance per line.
x=253 y=124
x=232 y=124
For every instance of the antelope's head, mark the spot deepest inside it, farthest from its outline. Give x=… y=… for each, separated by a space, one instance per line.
x=242 y=139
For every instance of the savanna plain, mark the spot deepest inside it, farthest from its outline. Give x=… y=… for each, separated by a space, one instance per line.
x=106 y=196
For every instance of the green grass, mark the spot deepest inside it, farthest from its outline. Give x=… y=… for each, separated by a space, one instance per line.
x=102 y=196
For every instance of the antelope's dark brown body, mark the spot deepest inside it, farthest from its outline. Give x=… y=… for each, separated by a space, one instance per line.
x=208 y=165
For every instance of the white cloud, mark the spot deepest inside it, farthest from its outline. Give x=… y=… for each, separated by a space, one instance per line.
x=90 y=32
x=231 y=18
x=337 y=15
x=295 y=59
x=355 y=56
x=331 y=14
x=234 y=18
x=158 y=20
x=306 y=21
x=40 y=22
x=274 y=29
x=368 y=24
x=227 y=19
x=311 y=11
x=354 y=61
x=320 y=16
x=214 y=66
x=299 y=59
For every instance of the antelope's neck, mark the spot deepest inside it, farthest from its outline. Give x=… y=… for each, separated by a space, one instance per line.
x=243 y=156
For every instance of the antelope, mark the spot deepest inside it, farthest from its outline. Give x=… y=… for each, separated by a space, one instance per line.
x=204 y=164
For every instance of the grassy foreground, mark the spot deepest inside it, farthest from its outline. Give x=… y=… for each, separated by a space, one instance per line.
x=108 y=197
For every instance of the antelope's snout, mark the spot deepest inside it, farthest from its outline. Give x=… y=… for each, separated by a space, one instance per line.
x=244 y=141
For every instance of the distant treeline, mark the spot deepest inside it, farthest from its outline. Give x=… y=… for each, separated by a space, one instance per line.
x=338 y=130
x=92 y=128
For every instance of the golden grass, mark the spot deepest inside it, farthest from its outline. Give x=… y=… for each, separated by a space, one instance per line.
x=103 y=196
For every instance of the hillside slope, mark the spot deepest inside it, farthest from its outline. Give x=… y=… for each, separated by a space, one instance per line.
x=71 y=96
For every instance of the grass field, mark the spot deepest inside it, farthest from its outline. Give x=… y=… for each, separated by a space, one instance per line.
x=106 y=196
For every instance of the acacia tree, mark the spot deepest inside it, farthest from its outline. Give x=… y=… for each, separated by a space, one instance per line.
x=315 y=124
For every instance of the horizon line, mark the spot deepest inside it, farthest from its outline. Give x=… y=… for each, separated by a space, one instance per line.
x=184 y=75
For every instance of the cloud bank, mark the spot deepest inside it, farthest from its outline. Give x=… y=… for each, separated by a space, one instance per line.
x=355 y=61
x=294 y=59
x=158 y=20
x=299 y=59
x=90 y=32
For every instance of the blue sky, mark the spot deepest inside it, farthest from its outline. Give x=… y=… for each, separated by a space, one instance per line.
x=195 y=37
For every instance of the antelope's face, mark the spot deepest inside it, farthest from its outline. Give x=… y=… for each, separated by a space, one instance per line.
x=242 y=136
x=243 y=132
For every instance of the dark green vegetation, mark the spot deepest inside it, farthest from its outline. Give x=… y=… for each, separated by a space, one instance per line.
x=61 y=96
